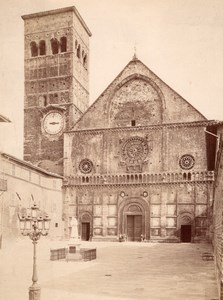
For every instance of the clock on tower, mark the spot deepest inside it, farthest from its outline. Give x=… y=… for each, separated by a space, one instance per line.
x=53 y=123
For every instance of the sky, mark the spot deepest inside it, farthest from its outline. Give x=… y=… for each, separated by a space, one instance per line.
x=180 y=41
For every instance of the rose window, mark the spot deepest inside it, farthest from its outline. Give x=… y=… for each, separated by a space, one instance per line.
x=187 y=162
x=135 y=150
x=86 y=166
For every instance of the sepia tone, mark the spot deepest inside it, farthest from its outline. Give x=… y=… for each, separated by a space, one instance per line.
x=140 y=164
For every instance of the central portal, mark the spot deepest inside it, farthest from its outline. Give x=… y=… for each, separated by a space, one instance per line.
x=134 y=227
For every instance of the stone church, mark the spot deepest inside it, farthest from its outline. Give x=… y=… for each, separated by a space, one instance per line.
x=138 y=163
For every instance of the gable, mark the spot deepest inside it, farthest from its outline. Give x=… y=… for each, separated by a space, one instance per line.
x=137 y=95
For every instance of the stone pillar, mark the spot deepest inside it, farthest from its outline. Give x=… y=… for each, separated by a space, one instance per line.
x=163 y=197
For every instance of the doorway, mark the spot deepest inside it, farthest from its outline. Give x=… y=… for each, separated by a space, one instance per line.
x=134 y=227
x=185 y=233
x=85 y=231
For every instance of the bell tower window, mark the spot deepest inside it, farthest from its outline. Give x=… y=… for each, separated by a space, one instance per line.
x=34 y=49
x=54 y=46
x=63 y=44
x=42 y=48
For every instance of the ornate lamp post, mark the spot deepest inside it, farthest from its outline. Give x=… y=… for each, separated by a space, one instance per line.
x=34 y=225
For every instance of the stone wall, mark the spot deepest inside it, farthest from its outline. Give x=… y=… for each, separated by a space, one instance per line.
x=27 y=181
x=163 y=169
x=166 y=208
x=217 y=228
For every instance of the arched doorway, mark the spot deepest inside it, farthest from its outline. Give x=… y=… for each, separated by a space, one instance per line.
x=134 y=219
x=86 y=226
x=134 y=228
x=185 y=227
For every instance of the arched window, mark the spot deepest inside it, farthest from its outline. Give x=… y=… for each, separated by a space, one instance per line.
x=34 y=49
x=42 y=47
x=78 y=51
x=63 y=44
x=54 y=46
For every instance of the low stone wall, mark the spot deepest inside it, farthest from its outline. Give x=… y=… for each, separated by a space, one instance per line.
x=86 y=254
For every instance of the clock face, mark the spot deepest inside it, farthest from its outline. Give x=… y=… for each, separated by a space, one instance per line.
x=53 y=123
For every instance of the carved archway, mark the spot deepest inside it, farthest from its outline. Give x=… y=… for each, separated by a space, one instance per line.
x=185 y=219
x=133 y=207
x=85 y=226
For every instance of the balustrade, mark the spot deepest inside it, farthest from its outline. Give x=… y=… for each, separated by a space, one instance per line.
x=138 y=178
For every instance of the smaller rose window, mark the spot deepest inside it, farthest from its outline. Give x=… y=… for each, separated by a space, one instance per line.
x=187 y=162
x=86 y=166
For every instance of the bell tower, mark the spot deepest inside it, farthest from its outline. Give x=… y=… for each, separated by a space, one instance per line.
x=56 y=82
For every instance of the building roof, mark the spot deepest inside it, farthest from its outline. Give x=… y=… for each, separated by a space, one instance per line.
x=175 y=109
x=56 y=11
x=29 y=165
x=204 y=123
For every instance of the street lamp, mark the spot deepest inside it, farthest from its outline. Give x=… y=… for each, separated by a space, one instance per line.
x=34 y=224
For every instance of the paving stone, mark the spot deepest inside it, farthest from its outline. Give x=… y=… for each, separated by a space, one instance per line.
x=121 y=271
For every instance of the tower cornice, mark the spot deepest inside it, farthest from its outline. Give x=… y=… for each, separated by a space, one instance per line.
x=56 y=11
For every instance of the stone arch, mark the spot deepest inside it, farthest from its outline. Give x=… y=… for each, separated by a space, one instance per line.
x=185 y=219
x=134 y=206
x=129 y=80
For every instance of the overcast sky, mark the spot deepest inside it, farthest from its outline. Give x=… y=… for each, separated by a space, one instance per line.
x=181 y=41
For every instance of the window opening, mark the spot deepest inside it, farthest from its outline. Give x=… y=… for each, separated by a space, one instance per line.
x=42 y=47
x=85 y=61
x=34 y=49
x=133 y=123
x=45 y=100
x=63 y=44
x=78 y=51
x=54 y=46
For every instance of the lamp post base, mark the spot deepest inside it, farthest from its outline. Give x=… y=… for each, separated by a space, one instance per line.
x=34 y=292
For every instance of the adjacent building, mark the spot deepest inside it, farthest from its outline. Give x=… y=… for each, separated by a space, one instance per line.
x=24 y=184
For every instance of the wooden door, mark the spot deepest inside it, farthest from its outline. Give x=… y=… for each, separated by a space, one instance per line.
x=186 y=233
x=134 y=227
x=85 y=232
x=137 y=228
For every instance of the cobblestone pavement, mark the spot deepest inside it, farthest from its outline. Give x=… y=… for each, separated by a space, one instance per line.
x=121 y=271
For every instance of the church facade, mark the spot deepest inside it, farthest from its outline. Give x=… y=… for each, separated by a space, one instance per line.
x=137 y=164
